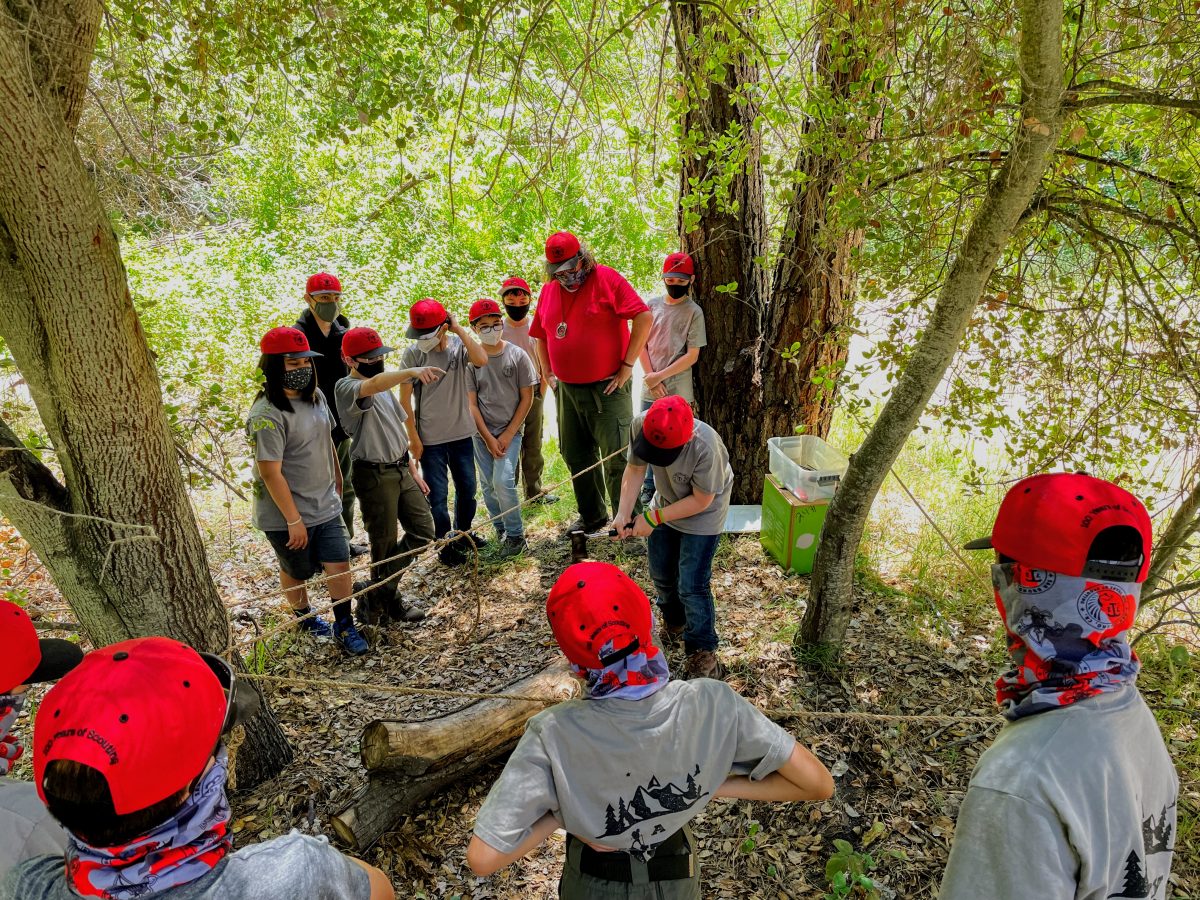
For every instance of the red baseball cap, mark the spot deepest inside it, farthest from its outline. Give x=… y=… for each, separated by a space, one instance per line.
x=594 y=604
x=483 y=307
x=666 y=427
x=561 y=248
x=679 y=265
x=364 y=342
x=425 y=316
x=513 y=283
x=146 y=714
x=286 y=340
x=27 y=659
x=1050 y=522
x=322 y=283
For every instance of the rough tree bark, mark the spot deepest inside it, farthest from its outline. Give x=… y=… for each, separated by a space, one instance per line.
x=746 y=389
x=1035 y=134
x=117 y=534
x=1183 y=524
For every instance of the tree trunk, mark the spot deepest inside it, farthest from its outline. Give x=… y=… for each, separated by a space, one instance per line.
x=1035 y=135
x=411 y=761
x=747 y=389
x=118 y=535
x=1183 y=524
x=414 y=748
x=722 y=224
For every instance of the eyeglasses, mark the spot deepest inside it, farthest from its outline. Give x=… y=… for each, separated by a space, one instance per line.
x=490 y=329
x=563 y=273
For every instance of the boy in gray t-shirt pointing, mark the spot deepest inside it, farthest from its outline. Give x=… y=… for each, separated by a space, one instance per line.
x=625 y=769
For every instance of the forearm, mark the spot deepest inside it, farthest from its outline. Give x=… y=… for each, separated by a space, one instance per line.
x=385 y=381
x=682 y=364
x=522 y=411
x=410 y=421
x=801 y=777
x=475 y=352
x=773 y=787
x=644 y=359
x=631 y=484
x=485 y=860
x=477 y=417
x=543 y=356
x=687 y=507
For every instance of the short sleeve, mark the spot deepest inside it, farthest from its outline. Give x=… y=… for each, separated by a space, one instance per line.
x=762 y=746
x=996 y=838
x=294 y=865
x=346 y=395
x=627 y=303
x=696 y=336
x=635 y=431
x=411 y=358
x=268 y=435
x=525 y=369
x=709 y=475
x=520 y=797
x=537 y=328
x=473 y=379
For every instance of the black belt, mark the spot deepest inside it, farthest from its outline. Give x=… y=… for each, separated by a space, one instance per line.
x=401 y=463
x=672 y=861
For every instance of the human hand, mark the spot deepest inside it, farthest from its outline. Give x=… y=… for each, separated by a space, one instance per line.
x=429 y=374
x=553 y=379
x=504 y=441
x=618 y=381
x=493 y=446
x=623 y=525
x=641 y=528
x=421 y=483
x=658 y=391
x=415 y=449
x=653 y=380
x=297 y=536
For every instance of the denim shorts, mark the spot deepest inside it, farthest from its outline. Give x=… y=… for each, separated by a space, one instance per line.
x=327 y=543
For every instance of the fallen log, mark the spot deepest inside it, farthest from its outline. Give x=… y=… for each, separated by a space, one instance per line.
x=415 y=748
x=410 y=761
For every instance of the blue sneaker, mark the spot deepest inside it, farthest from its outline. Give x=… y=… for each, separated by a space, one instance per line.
x=316 y=626
x=348 y=637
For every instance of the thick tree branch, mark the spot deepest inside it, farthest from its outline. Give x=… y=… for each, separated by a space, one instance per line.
x=29 y=477
x=1121 y=93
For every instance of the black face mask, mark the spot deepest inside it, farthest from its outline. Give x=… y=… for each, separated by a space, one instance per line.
x=517 y=313
x=371 y=369
x=678 y=290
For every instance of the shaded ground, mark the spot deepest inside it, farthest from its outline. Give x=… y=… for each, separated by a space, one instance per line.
x=899 y=784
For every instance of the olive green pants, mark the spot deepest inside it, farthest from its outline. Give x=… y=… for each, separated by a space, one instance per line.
x=387 y=497
x=591 y=425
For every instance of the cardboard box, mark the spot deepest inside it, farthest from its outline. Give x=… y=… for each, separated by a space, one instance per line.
x=791 y=529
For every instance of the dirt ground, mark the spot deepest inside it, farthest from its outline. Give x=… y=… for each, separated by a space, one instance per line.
x=899 y=785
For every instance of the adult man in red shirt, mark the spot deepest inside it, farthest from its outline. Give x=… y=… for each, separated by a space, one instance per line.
x=583 y=339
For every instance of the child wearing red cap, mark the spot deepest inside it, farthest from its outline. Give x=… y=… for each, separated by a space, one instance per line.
x=389 y=488
x=129 y=758
x=298 y=483
x=324 y=324
x=515 y=295
x=440 y=427
x=1077 y=795
x=499 y=395
x=693 y=485
x=27 y=828
x=625 y=769
x=674 y=345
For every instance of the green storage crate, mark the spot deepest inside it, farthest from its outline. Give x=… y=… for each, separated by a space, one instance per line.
x=791 y=530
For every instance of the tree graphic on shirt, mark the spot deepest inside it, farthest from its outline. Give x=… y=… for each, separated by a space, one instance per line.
x=1135 y=880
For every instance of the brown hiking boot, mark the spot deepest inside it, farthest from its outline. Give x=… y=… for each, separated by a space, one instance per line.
x=703 y=664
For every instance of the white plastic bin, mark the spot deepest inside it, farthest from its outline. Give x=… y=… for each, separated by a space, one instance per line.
x=807 y=466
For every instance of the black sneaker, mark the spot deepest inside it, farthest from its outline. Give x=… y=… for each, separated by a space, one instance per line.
x=646 y=496
x=399 y=611
x=513 y=546
x=357 y=550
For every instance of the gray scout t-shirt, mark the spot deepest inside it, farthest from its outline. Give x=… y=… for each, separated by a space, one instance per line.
x=1075 y=802
x=498 y=386
x=375 y=424
x=27 y=827
x=627 y=774
x=441 y=408
x=519 y=335
x=677 y=328
x=294 y=865
x=702 y=466
x=303 y=440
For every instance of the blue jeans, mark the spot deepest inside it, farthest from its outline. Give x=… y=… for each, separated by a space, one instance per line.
x=439 y=463
x=681 y=569
x=499 y=477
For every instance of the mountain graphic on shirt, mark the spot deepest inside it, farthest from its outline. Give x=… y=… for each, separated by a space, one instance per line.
x=1157 y=837
x=651 y=801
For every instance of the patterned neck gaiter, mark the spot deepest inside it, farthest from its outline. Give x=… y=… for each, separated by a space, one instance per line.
x=633 y=678
x=10 y=748
x=179 y=851
x=1066 y=637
